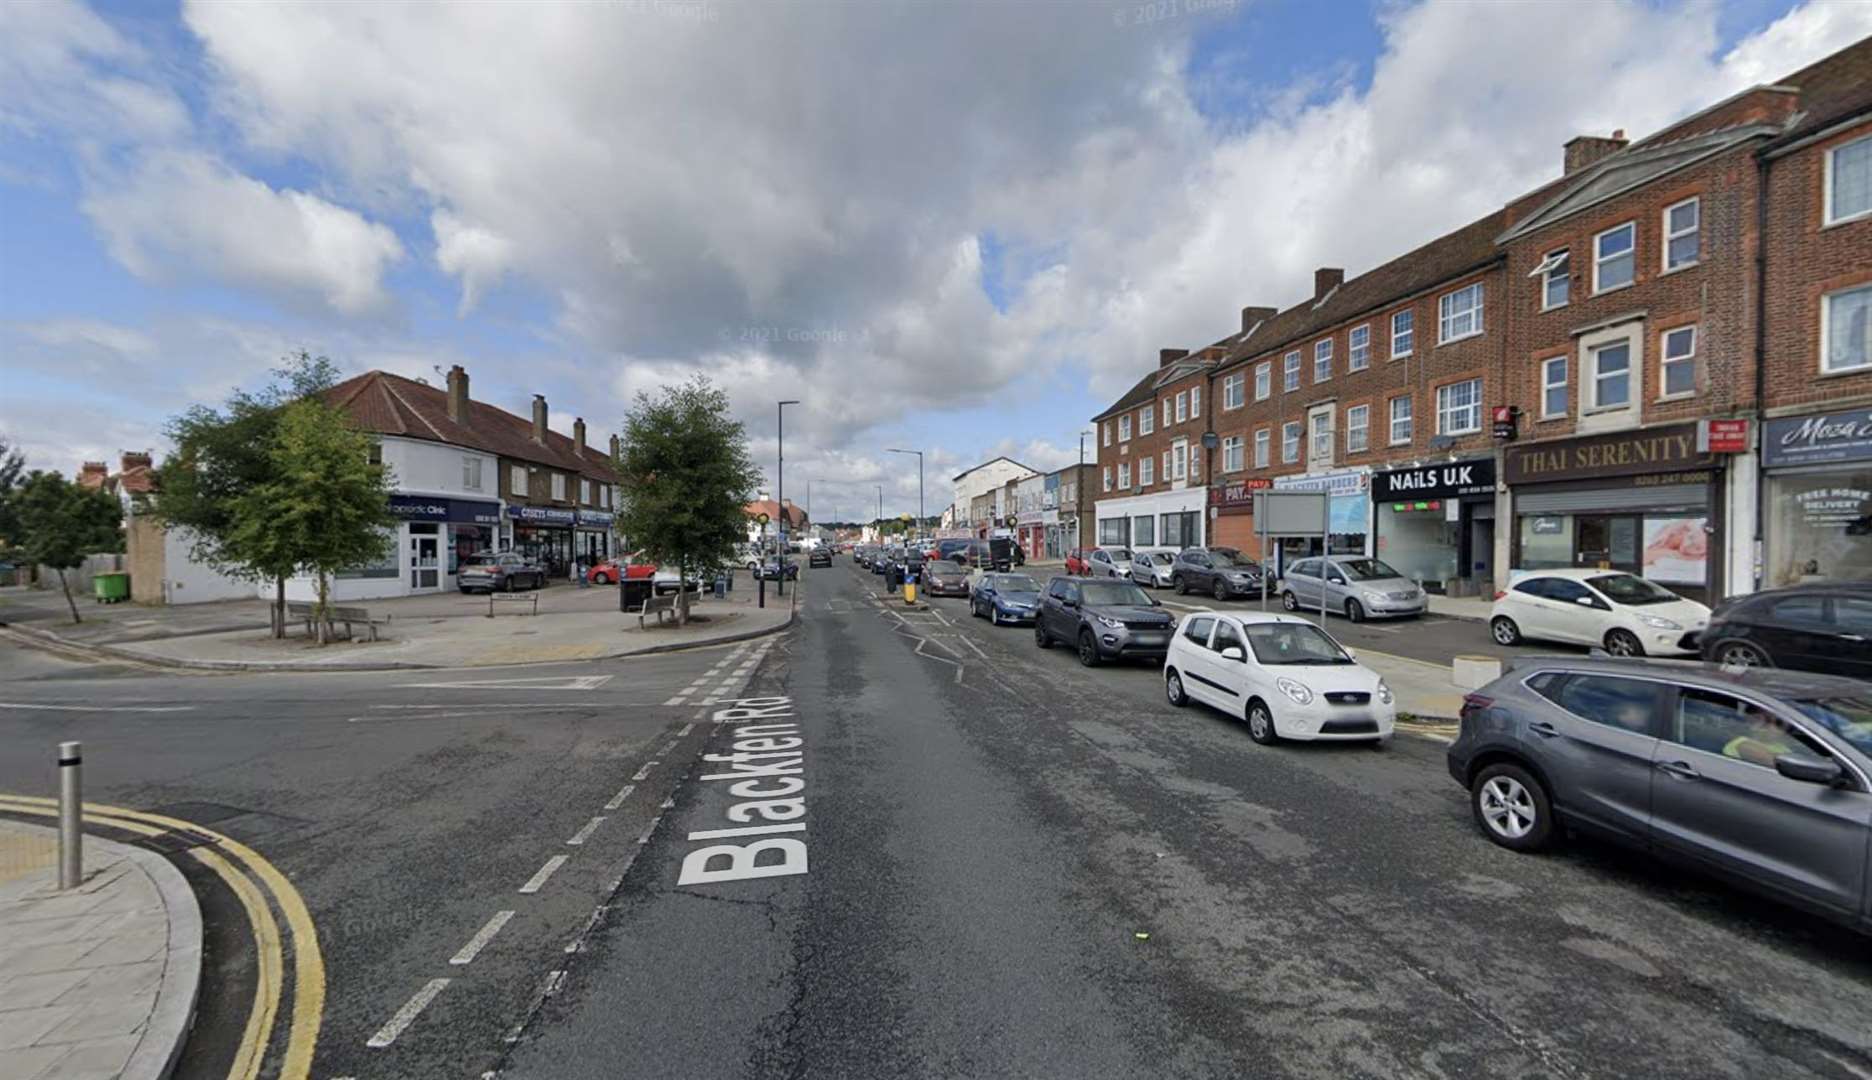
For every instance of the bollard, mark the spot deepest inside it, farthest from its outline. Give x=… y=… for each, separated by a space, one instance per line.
x=71 y=830
x=909 y=590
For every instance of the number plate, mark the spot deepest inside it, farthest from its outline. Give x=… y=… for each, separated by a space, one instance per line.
x=1149 y=639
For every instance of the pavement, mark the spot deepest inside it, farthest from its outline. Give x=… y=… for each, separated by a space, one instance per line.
x=98 y=981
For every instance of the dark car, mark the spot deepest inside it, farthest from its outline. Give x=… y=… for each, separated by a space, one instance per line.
x=1757 y=776
x=1221 y=572
x=1005 y=598
x=995 y=554
x=941 y=577
x=883 y=558
x=1110 y=619
x=771 y=570
x=503 y=571
x=955 y=549
x=821 y=556
x=1820 y=627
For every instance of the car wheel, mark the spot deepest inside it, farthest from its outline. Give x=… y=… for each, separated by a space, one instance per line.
x=1181 y=586
x=1088 y=649
x=1354 y=611
x=601 y=579
x=1738 y=654
x=994 y=616
x=1220 y=592
x=1173 y=688
x=1512 y=807
x=1040 y=635
x=1290 y=601
x=1623 y=643
x=1261 y=723
x=1504 y=630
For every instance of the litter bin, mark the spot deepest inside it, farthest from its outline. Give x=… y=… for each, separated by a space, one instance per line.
x=632 y=592
x=111 y=588
x=721 y=586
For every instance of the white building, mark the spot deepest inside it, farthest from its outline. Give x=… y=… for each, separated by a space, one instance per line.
x=989 y=476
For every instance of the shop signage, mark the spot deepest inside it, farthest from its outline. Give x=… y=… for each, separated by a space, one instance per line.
x=1506 y=417
x=435 y=508
x=1621 y=453
x=1049 y=517
x=1238 y=493
x=1435 y=481
x=1029 y=517
x=543 y=515
x=1816 y=440
x=1722 y=436
x=596 y=517
x=1339 y=483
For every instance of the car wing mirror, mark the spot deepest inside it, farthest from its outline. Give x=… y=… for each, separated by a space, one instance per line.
x=1350 y=655
x=1069 y=603
x=1234 y=653
x=1585 y=601
x=1154 y=601
x=1809 y=769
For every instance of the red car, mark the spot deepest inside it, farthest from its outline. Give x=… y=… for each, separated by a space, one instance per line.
x=1079 y=561
x=609 y=572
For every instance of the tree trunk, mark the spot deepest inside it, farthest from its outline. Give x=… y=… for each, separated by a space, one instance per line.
x=682 y=592
x=322 y=614
x=69 y=602
x=279 y=607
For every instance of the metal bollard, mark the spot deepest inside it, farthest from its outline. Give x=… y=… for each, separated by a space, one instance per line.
x=71 y=829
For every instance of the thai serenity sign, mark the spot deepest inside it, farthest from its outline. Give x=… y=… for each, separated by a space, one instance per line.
x=1619 y=453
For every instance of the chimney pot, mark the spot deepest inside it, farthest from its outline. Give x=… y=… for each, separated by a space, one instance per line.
x=1326 y=279
x=539 y=419
x=458 y=394
x=1584 y=150
x=1166 y=357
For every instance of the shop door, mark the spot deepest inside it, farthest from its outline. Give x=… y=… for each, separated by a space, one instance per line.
x=425 y=568
x=1607 y=540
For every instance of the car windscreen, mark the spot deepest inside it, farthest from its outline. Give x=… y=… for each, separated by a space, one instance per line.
x=1109 y=593
x=1626 y=589
x=1293 y=643
x=1848 y=717
x=1119 y=554
x=950 y=547
x=1366 y=569
x=1229 y=559
x=1015 y=583
x=479 y=560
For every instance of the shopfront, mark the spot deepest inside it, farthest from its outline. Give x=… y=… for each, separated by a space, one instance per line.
x=544 y=534
x=1030 y=530
x=1171 y=519
x=1819 y=498
x=592 y=539
x=1231 y=514
x=1647 y=501
x=1349 y=515
x=1436 y=524
x=437 y=535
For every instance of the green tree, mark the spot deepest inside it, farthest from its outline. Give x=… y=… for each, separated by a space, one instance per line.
x=60 y=523
x=687 y=475
x=323 y=507
x=12 y=468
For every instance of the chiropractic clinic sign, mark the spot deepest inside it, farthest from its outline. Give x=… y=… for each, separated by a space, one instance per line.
x=1818 y=439
x=1447 y=481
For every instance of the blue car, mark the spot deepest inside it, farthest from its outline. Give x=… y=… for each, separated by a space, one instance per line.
x=1005 y=598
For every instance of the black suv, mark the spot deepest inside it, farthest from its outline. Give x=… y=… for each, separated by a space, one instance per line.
x=1824 y=626
x=1108 y=619
x=821 y=556
x=1221 y=572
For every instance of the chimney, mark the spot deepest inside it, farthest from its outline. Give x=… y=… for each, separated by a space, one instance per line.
x=1253 y=315
x=1325 y=280
x=93 y=474
x=539 y=419
x=458 y=394
x=1584 y=150
x=578 y=435
x=614 y=448
x=1166 y=357
x=135 y=459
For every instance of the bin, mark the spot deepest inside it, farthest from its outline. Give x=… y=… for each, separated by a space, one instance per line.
x=632 y=592
x=112 y=587
x=721 y=586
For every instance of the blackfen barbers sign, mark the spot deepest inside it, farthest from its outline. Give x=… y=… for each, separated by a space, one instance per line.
x=1446 y=481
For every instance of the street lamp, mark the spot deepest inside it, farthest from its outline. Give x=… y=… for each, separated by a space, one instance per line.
x=919 y=457
x=780 y=500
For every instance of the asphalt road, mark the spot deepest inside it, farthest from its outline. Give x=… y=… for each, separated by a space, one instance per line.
x=1013 y=866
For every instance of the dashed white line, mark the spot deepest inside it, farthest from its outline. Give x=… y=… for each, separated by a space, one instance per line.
x=618 y=799
x=644 y=772
x=677 y=700
x=537 y=880
x=584 y=834
x=482 y=937
x=97 y=708
x=407 y=1014
x=686 y=729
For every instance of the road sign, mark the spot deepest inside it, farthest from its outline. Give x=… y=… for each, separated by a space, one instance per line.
x=1291 y=513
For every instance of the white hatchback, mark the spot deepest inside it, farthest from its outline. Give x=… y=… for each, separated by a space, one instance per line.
x=1288 y=678
x=1619 y=612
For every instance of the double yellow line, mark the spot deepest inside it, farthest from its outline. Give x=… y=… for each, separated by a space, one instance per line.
x=308 y=998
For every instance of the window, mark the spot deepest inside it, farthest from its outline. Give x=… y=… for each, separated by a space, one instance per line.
x=1401 y=421
x=1611 y=376
x=1179 y=460
x=558 y=486
x=1290 y=442
x=1459 y=408
x=1194 y=452
x=1108 y=478
x=1846 y=330
x=1124 y=475
x=517 y=480
x=1108 y=433
x=1166 y=412
x=1147 y=466
x=1195 y=402
x=1264 y=379
x=1262 y=438
x=1682 y=241
x=1144 y=531
x=1554 y=273
x=1358 y=348
x=1613 y=261
x=471 y=473
x=1182 y=406
x=1553 y=387
x=1227 y=637
x=1849 y=181
x=1322 y=360
x=1627 y=704
x=1320 y=446
x=585 y=491
x=1124 y=428
x=1290 y=373
x=1403 y=326
x=1196 y=628
x=1232 y=454
x=1459 y=314
x=1357 y=429
x=1232 y=388
x=1679 y=352
x=1716 y=723
x=1147 y=420
x=374 y=455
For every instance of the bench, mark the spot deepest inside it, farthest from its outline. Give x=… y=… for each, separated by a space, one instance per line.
x=660 y=605
x=531 y=599
x=307 y=614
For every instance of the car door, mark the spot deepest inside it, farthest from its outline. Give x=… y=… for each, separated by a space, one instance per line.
x=1792 y=630
x=1595 y=740
x=1197 y=572
x=1060 y=619
x=1193 y=657
x=1803 y=840
x=1847 y=646
x=1527 y=608
x=1336 y=588
x=1572 y=620
x=1101 y=564
x=1229 y=673
x=1303 y=581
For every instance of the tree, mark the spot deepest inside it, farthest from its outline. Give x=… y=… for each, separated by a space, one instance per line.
x=687 y=475
x=323 y=507
x=61 y=522
x=12 y=468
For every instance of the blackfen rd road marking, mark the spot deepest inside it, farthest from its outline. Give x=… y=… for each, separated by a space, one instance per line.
x=544 y=682
x=618 y=799
x=765 y=770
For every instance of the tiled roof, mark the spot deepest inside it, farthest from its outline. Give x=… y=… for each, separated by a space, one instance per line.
x=1145 y=390
x=393 y=405
x=1832 y=90
x=796 y=517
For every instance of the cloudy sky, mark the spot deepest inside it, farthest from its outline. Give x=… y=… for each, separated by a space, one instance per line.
x=962 y=227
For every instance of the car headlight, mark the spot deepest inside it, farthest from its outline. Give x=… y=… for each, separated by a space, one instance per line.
x=1109 y=622
x=1660 y=622
x=1296 y=690
x=1372 y=597
x=1384 y=693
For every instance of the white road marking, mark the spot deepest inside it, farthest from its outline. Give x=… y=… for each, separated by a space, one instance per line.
x=645 y=771
x=584 y=833
x=482 y=937
x=534 y=883
x=671 y=745
x=686 y=729
x=618 y=799
x=407 y=1014
x=700 y=681
x=752 y=830
x=97 y=708
x=970 y=642
x=678 y=700
x=553 y=682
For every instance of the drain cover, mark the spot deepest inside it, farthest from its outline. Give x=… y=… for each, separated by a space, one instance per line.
x=176 y=840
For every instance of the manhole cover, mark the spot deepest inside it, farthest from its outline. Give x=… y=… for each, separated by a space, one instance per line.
x=175 y=841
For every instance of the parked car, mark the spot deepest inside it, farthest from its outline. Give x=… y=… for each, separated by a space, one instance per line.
x=1005 y=598
x=770 y=571
x=994 y=554
x=1221 y=572
x=1819 y=627
x=1103 y=620
x=1355 y=586
x=1079 y=562
x=1151 y=566
x=1626 y=615
x=882 y=559
x=504 y=571
x=943 y=577
x=821 y=556
x=1758 y=776
x=611 y=571
x=955 y=549
x=1110 y=562
x=1288 y=678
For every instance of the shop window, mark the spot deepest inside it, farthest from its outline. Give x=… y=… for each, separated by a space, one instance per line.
x=471 y=473
x=1403 y=333
x=1613 y=257
x=1290 y=371
x=388 y=565
x=1846 y=331
x=1683 y=224
x=1679 y=360
x=1459 y=314
x=1290 y=442
x=1610 y=371
x=1264 y=379
x=1232 y=454
x=1849 y=181
x=1144 y=531
x=1358 y=348
x=1820 y=526
x=1322 y=360
x=1546 y=542
x=1180 y=530
x=1459 y=408
x=1401 y=432
x=1262 y=439
x=1357 y=429
x=1553 y=387
x=1112 y=532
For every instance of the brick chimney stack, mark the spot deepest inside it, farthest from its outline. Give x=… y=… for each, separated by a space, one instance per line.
x=133 y=459
x=1325 y=280
x=1583 y=150
x=614 y=448
x=1166 y=357
x=578 y=435
x=539 y=419
x=93 y=474
x=1253 y=315
x=458 y=394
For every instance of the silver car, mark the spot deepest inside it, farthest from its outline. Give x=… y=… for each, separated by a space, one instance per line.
x=1756 y=775
x=1356 y=587
x=1110 y=562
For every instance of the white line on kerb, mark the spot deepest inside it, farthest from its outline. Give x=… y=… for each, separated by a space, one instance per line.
x=482 y=937
x=584 y=834
x=407 y=1014
x=618 y=799
x=537 y=880
x=686 y=729
x=643 y=772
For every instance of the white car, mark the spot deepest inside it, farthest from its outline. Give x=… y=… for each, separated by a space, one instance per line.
x=1150 y=566
x=1110 y=562
x=1619 y=612
x=1286 y=676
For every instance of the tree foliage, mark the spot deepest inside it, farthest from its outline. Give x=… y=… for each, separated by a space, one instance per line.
x=61 y=523
x=12 y=471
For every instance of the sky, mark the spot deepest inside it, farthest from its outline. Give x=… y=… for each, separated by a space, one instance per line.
x=963 y=228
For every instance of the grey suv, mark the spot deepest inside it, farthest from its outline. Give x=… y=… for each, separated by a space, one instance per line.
x=1221 y=572
x=1112 y=619
x=1757 y=776
x=1355 y=586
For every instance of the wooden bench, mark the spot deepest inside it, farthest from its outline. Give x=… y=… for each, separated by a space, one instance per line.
x=531 y=599
x=307 y=614
x=661 y=605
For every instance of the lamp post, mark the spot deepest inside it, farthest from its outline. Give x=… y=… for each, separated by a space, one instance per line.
x=919 y=457
x=780 y=498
